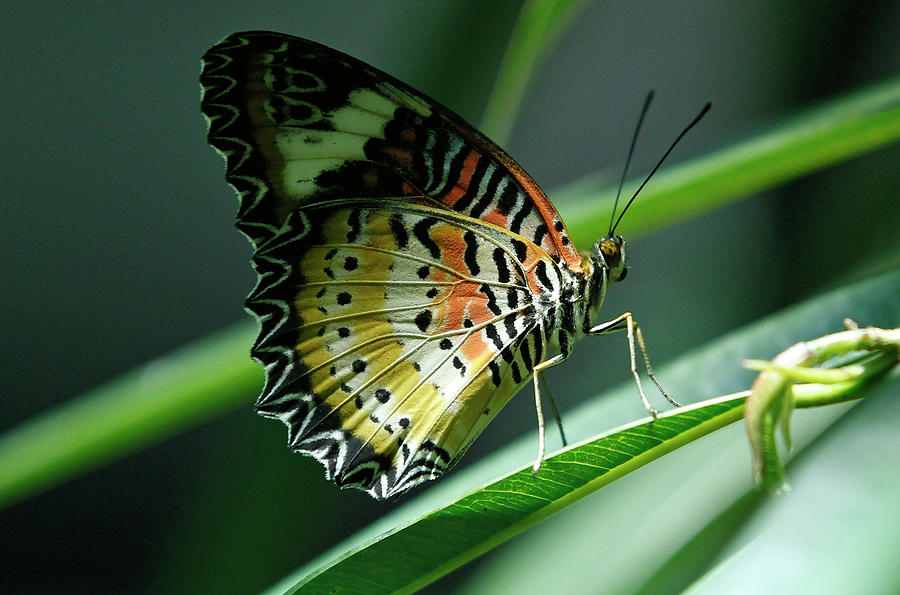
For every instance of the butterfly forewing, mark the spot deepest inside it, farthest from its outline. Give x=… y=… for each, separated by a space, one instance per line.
x=401 y=258
x=318 y=124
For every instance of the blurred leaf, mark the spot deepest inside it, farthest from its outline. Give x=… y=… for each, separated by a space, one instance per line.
x=843 y=128
x=174 y=392
x=539 y=25
x=837 y=531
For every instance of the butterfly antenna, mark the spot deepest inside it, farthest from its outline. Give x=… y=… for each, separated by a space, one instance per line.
x=660 y=162
x=637 y=129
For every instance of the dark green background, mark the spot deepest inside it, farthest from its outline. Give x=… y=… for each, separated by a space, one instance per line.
x=118 y=244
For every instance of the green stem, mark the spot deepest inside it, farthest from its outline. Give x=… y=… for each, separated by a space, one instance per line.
x=539 y=25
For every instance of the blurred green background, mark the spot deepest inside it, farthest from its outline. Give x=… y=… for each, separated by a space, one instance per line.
x=119 y=244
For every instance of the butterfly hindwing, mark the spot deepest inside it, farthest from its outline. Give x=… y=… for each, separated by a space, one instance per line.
x=399 y=347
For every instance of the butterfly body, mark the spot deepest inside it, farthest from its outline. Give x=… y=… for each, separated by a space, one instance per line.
x=412 y=277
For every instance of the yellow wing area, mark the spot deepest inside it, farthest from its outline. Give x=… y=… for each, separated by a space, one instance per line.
x=410 y=329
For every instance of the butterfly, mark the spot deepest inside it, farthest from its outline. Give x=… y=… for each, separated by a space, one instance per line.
x=411 y=276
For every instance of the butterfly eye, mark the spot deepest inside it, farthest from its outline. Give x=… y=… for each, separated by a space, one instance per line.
x=623 y=274
x=611 y=252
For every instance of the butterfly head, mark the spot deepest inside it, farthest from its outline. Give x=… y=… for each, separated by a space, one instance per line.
x=607 y=264
x=609 y=258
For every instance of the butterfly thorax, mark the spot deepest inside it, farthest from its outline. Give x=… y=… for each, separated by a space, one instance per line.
x=583 y=292
x=569 y=311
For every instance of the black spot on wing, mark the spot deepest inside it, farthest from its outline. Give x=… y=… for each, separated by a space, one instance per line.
x=471 y=253
x=354 y=178
x=440 y=452
x=490 y=192
x=457 y=161
x=492 y=299
x=438 y=159
x=355 y=223
x=512 y=299
x=502 y=266
x=474 y=184
x=525 y=352
x=520 y=249
x=538 y=335
x=399 y=230
x=519 y=218
x=510 y=323
x=516 y=374
x=568 y=317
x=423 y=320
x=495 y=372
x=539 y=233
x=420 y=230
x=542 y=276
x=492 y=334
x=507 y=199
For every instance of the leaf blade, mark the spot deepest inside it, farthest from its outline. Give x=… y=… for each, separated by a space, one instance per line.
x=459 y=525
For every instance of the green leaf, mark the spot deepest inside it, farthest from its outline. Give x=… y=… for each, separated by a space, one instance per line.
x=417 y=551
x=674 y=519
x=482 y=520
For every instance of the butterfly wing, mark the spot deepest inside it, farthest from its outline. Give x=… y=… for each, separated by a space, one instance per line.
x=398 y=309
x=318 y=124
x=397 y=347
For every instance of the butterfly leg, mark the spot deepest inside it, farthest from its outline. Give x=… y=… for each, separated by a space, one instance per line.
x=627 y=322
x=555 y=410
x=537 y=405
